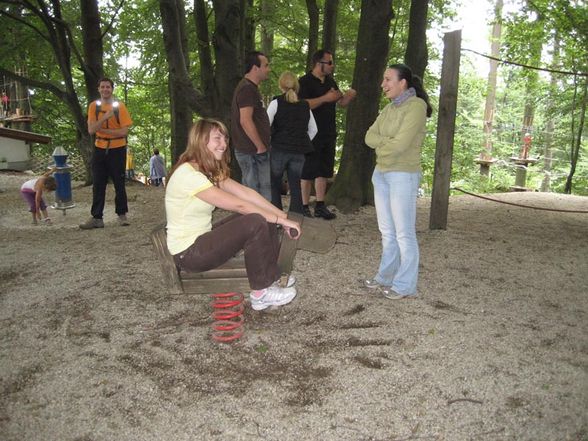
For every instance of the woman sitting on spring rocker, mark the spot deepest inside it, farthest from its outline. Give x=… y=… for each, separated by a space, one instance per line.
x=197 y=184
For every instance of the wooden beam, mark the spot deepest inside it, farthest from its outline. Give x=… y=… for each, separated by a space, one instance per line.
x=24 y=136
x=445 y=130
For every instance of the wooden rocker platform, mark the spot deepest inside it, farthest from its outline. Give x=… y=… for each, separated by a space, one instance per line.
x=317 y=236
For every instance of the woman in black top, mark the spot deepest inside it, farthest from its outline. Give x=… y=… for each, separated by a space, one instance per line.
x=293 y=127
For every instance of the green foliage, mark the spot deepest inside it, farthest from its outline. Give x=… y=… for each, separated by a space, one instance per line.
x=135 y=59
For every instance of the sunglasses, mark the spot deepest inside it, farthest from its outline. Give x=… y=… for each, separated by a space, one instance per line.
x=330 y=62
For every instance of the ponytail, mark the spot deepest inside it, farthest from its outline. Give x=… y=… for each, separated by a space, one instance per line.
x=417 y=84
x=414 y=81
x=291 y=96
x=289 y=85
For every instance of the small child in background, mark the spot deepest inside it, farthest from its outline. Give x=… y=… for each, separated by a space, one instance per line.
x=32 y=192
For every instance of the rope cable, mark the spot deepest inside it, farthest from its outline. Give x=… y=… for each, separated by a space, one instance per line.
x=526 y=66
x=518 y=205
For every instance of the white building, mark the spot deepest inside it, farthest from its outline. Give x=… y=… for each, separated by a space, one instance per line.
x=15 y=148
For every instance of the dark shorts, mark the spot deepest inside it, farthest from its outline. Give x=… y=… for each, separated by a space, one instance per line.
x=29 y=196
x=321 y=162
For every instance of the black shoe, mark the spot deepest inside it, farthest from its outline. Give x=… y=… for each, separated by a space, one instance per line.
x=324 y=212
x=306 y=212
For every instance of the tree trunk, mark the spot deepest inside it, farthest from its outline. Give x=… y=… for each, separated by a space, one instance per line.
x=175 y=42
x=550 y=125
x=417 y=56
x=204 y=51
x=330 y=25
x=230 y=41
x=247 y=27
x=486 y=155
x=534 y=51
x=93 y=47
x=577 y=141
x=313 y=31
x=352 y=187
x=228 y=52
x=267 y=34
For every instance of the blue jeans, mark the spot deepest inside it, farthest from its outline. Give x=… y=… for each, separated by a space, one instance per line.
x=255 y=170
x=395 y=195
x=292 y=163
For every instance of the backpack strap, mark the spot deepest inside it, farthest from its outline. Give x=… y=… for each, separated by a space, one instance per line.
x=98 y=109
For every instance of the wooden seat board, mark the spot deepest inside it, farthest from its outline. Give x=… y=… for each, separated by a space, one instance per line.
x=317 y=236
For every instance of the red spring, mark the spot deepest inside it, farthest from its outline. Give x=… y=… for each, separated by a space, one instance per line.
x=228 y=316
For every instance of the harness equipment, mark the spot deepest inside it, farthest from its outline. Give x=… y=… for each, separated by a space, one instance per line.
x=116 y=115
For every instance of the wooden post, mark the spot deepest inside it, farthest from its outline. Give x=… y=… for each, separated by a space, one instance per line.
x=445 y=130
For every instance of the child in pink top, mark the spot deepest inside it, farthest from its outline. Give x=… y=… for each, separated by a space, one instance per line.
x=32 y=192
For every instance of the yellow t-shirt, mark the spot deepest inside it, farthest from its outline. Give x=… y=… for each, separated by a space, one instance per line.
x=130 y=165
x=187 y=216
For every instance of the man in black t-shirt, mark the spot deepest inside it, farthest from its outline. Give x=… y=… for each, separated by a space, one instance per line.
x=250 y=126
x=322 y=93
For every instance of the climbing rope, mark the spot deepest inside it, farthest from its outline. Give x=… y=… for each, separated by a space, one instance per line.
x=518 y=205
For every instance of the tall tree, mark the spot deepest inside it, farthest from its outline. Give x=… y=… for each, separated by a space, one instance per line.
x=550 y=125
x=486 y=155
x=576 y=142
x=47 y=21
x=352 y=187
x=267 y=34
x=213 y=98
x=182 y=94
x=417 y=55
x=570 y=21
x=330 y=25
x=93 y=46
x=313 y=30
x=247 y=28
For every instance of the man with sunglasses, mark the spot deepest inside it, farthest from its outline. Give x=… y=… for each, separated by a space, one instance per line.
x=322 y=93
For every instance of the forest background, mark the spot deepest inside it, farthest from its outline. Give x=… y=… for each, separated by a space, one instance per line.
x=173 y=61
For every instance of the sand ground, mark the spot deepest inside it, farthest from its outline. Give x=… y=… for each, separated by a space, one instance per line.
x=495 y=347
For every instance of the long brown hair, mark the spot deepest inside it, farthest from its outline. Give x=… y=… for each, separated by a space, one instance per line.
x=197 y=151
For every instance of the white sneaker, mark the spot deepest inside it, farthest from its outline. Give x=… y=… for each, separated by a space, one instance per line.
x=272 y=296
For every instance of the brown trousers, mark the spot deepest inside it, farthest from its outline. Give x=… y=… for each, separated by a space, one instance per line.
x=251 y=233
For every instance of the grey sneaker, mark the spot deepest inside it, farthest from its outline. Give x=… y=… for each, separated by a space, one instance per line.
x=92 y=223
x=389 y=293
x=123 y=221
x=371 y=283
x=272 y=296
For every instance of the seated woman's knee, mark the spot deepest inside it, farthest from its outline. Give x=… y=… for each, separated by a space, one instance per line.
x=254 y=220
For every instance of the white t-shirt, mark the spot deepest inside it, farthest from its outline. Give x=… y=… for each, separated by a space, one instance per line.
x=187 y=216
x=29 y=186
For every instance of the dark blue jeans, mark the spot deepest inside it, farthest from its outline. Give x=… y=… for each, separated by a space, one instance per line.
x=292 y=163
x=255 y=170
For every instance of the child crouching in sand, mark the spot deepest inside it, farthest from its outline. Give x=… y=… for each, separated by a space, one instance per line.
x=32 y=192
